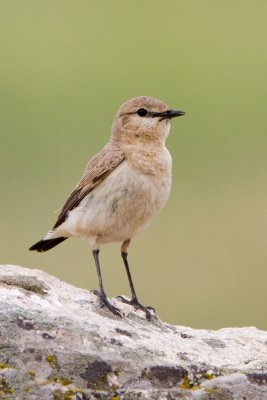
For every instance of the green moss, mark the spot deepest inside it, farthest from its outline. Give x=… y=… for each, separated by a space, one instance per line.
x=218 y=393
x=68 y=395
x=45 y=382
x=3 y=366
x=146 y=374
x=63 y=381
x=57 y=395
x=32 y=373
x=206 y=375
x=210 y=390
x=52 y=361
x=5 y=388
x=188 y=385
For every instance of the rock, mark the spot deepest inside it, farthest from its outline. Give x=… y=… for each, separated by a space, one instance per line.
x=57 y=343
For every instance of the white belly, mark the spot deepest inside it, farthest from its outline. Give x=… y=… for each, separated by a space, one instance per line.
x=119 y=207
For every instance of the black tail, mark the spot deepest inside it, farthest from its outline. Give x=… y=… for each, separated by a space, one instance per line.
x=44 y=245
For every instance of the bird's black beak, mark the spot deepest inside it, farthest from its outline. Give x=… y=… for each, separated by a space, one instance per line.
x=168 y=114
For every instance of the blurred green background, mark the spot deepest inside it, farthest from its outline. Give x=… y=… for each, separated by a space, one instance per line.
x=65 y=68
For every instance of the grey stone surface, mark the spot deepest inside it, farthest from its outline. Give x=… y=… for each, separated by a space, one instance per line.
x=56 y=343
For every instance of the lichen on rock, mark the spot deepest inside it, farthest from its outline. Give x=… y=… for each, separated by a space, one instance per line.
x=58 y=343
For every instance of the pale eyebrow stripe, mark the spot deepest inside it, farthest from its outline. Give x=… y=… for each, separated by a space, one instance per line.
x=149 y=113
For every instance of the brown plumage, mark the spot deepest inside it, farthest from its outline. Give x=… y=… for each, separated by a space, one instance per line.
x=122 y=188
x=98 y=168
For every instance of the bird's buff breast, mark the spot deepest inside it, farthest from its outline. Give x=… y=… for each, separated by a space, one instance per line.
x=121 y=206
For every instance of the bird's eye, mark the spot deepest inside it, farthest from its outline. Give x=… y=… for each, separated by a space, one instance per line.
x=142 y=112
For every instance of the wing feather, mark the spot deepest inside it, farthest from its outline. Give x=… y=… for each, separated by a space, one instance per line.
x=98 y=168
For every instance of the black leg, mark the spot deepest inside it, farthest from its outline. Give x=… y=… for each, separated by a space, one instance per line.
x=126 y=264
x=102 y=295
x=134 y=301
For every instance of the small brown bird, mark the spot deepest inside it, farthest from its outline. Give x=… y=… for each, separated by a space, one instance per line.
x=122 y=188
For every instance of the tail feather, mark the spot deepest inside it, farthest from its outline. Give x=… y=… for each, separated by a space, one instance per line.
x=46 y=244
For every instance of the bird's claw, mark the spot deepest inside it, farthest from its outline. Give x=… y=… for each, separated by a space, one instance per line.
x=138 y=306
x=105 y=303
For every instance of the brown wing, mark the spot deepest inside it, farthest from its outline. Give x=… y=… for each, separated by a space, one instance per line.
x=98 y=168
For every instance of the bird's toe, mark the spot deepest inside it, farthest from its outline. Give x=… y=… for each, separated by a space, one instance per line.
x=138 y=306
x=105 y=303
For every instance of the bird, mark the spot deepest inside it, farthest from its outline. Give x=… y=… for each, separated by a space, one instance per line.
x=122 y=189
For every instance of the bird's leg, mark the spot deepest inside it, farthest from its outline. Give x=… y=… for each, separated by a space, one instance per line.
x=102 y=295
x=134 y=301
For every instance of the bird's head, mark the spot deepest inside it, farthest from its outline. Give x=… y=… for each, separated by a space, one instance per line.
x=143 y=119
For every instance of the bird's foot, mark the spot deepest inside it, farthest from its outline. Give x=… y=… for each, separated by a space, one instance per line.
x=105 y=303
x=138 y=306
